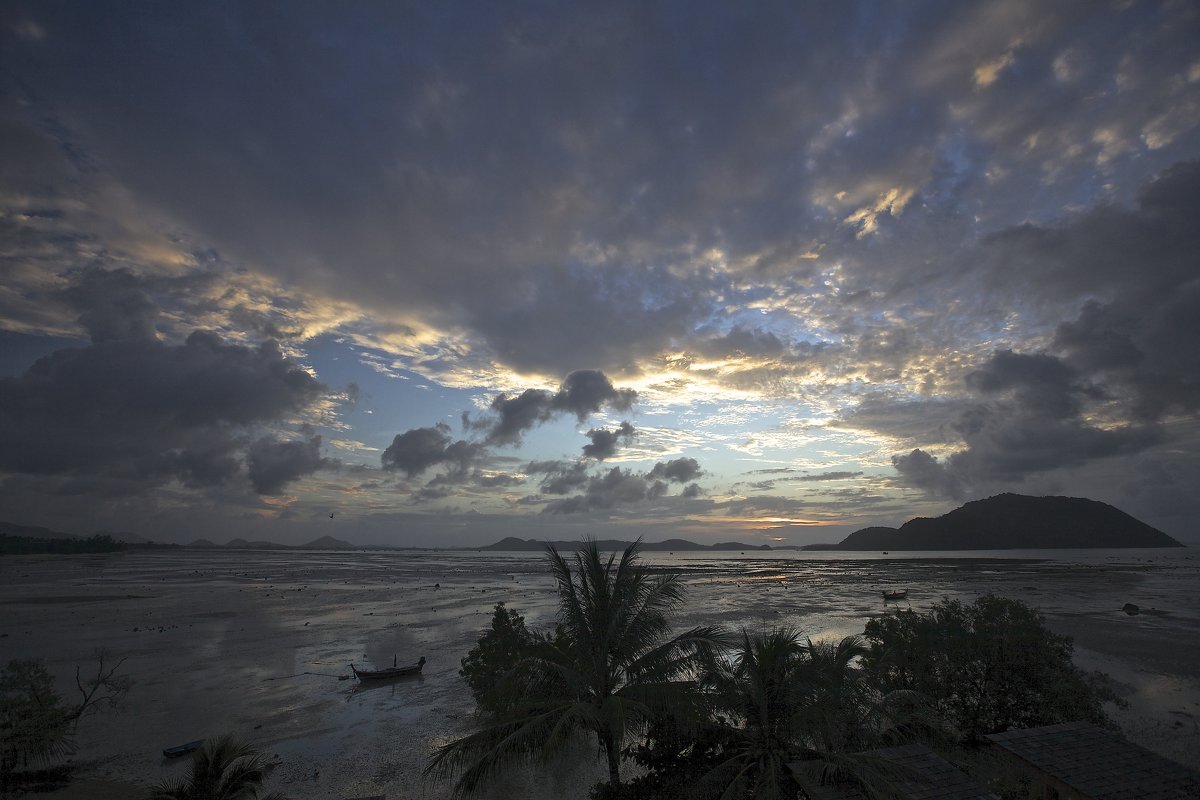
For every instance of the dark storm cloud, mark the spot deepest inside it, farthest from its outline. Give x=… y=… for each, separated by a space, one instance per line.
x=605 y=442
x=679 y=470
x=1044 y=386
x=1143 y=339
x=742 y=341
x=527 y=142
x=616 y=487
x=585 y=391
x=1111 y=377
x=272 y=464
x=113 y=305
x=613 y=317
x=1030 y=420
x=142 y=412
x=920 y=470
x=610 y=489
x=515 y=415
x=919 y=420
x=582 y=393
x=628 y=186
x=562 y=477
x=418 y=449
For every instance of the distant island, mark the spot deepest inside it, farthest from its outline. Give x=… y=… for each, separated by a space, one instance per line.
x=1003 y=522
x=25 y=539
x=1012 y=521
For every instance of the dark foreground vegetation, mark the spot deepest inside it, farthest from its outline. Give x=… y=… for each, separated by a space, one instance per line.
x=37 y=724
x=222 y=769
x=707 y=713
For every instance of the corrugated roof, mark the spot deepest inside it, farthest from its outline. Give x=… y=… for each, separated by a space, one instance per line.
x=1100 y=764
x=920 y=774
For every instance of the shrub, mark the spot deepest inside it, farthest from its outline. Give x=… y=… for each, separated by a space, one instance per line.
x=986 y=667
x=499 y=650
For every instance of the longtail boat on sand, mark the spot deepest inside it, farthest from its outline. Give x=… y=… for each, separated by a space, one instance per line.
x=390 y=672
x=183 y=749
x=899 y=595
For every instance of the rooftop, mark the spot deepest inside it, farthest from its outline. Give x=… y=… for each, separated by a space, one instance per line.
x=1099 y=764
x=920 y=774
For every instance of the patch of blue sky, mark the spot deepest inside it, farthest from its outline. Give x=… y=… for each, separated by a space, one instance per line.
x=386 y=405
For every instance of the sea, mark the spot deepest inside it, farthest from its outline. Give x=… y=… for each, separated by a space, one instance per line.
x=259 y=643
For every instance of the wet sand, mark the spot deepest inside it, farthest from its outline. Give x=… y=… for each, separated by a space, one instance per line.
x=254 y=643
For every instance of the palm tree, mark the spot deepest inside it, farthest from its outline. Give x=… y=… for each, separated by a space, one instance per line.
x=787 y=705
x=758 y=697
x=223 y=769
x=607 y=670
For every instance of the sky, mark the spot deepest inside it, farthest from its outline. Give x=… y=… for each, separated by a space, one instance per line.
x=432 y=274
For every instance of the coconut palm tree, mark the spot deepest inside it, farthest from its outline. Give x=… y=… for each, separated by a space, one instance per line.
x=610 y=666
x=223 y=769
x=789 y=705
x=758 y=696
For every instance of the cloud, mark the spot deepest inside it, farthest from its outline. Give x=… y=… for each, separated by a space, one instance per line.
x=418 y=449
x=679 y=470
x=582 y=393
x=515 y=415
x=1143 y=337
x=1042 y=385
x=113 y=305
x=562 y=477
x=766 y=485
x=920 y=470
x=141 y=412
x=272 y=464
x=604 y=442
x=528 y=198
x=499 y=479
x=616 y=487
x=613 y=488
x=1030 y=419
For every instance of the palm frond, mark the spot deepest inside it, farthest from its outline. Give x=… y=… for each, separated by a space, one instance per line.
x=171 y=790
x=502 y=746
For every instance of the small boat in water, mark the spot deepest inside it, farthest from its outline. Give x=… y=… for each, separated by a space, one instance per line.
x=391 y=672
x=900 y=595
x=183 y=749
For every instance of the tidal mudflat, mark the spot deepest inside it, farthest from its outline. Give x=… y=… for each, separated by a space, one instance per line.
x=254 y=642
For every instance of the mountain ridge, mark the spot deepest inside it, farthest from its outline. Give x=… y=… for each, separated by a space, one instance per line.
x=1011 y=522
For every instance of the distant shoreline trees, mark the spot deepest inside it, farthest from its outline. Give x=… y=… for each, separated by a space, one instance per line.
x=30 y=545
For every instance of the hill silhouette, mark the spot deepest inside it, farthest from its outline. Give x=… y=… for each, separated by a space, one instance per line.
x=1015 y=521
x=328 y=543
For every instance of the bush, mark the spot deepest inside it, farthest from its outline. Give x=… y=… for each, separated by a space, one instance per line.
x=986 y=667
x=499 y=650
x=34 y=724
